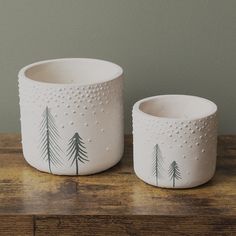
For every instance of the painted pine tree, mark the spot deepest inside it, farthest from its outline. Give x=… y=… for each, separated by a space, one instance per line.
x=174 y=172
x=77 y=151
x=157 y=163
x=48 y=143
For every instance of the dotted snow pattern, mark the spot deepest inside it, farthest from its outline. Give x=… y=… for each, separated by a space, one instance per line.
x=72 y=100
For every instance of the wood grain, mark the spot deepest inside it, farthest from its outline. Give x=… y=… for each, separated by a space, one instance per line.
x=114 y=202
x=135 y=225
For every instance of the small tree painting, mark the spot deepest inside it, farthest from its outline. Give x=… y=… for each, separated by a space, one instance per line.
x=48 y=142
x=157 y=163
x=77 y=151
x=174 y=172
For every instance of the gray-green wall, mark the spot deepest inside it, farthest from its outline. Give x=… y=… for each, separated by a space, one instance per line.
x=164 y=46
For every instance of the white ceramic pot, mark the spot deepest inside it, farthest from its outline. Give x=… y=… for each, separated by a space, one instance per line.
x=72 y=115
x=175 y=140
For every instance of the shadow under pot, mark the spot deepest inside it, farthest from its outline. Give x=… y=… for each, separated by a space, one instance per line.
x=72 y=115
x=175 y=140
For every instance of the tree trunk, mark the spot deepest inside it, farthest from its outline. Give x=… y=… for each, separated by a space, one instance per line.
x=77 y=164
x=48 y=150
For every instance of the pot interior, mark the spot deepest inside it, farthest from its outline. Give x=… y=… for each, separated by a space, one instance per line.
x=178 y=107
x=80 y=71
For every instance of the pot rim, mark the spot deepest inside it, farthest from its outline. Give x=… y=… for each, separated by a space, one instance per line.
x=22 y=73
x=136 y=108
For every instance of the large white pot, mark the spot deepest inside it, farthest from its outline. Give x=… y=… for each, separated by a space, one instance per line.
x=175 y=140
x=72 y=115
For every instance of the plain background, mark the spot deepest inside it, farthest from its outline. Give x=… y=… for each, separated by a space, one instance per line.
x=164 y=46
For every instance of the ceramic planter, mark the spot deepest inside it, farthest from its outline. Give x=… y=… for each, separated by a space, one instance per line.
x=175 y=140
x=72 y=115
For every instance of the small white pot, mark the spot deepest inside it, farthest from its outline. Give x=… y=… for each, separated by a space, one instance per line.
x=175 y=140
x=72 y=115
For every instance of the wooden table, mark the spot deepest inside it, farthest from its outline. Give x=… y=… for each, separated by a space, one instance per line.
x=114 y=202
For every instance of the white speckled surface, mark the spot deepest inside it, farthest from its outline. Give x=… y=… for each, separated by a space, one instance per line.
x=191 y=143
x=95 y=111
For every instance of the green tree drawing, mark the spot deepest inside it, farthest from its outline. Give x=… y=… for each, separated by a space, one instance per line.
x=48 y=142
x=157 y=163
x=77 y=151
x=174 y=172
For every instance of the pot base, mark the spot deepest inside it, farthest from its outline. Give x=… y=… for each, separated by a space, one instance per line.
x=193 y=185
x=71 y=173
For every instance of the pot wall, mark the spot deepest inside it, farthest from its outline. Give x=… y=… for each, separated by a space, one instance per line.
x=62 y=121
x=174 y=153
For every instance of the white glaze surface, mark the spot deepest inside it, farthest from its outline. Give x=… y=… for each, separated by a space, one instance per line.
x=189 y=140
x=94 y=111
